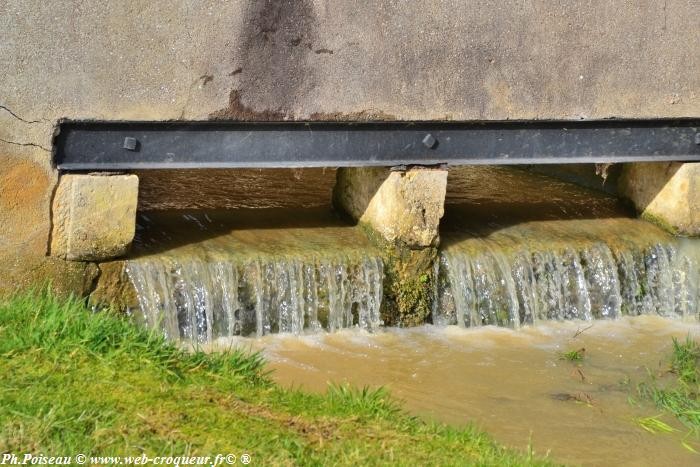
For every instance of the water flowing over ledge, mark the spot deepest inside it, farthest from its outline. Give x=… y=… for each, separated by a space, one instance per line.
x=203 y=275
x=520 y=248
x=516 y=249
x=491 y=286
x=200 y=301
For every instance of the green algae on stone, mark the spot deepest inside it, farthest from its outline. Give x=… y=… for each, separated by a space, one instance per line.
x=409 y=280
x=113 y=288
x=408 y=286
x=659 y=221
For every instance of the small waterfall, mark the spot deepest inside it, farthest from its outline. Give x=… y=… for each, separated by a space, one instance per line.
x=201 y=300
x=517 y=249
x=487 y=283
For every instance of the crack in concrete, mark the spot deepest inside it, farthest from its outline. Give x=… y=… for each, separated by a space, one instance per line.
x=24 y=144
x=206 y=78
x=17 y=116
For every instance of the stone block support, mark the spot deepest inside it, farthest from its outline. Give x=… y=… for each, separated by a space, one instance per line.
x=403 y=206
x=402 y=209
x=93 y=216
x=667 y=194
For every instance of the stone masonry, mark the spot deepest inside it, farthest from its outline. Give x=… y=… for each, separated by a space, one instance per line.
x=667 y=194
x=94 y=216
x=403 y=206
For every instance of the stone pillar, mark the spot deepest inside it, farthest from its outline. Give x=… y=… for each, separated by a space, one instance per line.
x=667 y=194
x=402 y=211
x=93 y=216
x=403 y=206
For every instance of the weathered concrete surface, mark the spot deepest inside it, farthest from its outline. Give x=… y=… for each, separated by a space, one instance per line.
x=94 y=216
x=667 y=194
x=324 y=59
x=24 y=271
x=25 y=193
x=404 y=207
x=26 y=184
x=407 y=59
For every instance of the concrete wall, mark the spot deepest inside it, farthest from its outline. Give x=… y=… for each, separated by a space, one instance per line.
x=322 y=59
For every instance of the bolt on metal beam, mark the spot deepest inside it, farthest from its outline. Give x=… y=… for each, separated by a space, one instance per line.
x=158 y=145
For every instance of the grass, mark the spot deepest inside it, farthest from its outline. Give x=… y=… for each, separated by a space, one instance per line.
x=684 y=360
x=78 y=382
x=573 y=355
x=678 y=397
x=679 y=402
x=654 y=425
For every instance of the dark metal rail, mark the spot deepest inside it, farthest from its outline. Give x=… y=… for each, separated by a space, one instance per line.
x=156 y=145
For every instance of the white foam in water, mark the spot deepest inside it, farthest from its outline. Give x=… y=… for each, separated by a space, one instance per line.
x=498 y=287
x=201 y=301
x=204 y=300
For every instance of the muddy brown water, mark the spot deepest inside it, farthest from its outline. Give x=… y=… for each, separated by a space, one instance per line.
x=235 y=188
x=510 y=382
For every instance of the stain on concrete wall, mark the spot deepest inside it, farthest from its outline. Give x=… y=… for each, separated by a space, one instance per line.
x=332 y=59
x=411 y=59
x=270 y=57
x=25 y=192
